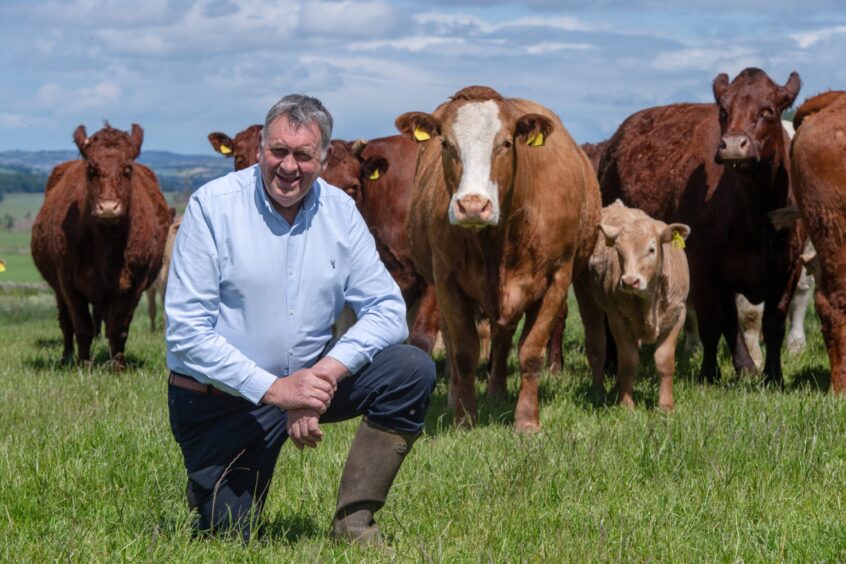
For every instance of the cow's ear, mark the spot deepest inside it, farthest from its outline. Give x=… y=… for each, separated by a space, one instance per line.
x=721 y=84
x=137 y=138
x=675 y=232
x=418 y=126
x=789 y=91
x=532 y=130
x=80 y=137
x=610 y=233
x=357 y=147
x=221 y=143
x=374 y=167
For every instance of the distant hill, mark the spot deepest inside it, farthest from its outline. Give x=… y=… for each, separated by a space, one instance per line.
x=27 y=171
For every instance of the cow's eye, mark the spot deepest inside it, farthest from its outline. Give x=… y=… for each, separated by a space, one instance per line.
x=507 y=144
x=92 y=172
x=449 y=148
x=723 y=114
x=127 y=171
x=767 y=113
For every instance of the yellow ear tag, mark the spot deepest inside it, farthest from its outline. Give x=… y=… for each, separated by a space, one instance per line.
x=536 y=140
x=225 y=149
x=374 y=175
x=2 y=266
x=421 y=135
x=678 y=241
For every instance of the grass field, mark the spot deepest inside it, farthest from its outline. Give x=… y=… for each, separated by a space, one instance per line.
x=89 y=470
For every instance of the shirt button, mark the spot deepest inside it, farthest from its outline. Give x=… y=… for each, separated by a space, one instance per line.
x=290 y=273
x=290 y=313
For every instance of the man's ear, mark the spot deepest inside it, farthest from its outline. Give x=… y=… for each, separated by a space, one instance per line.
x=532 y=130
x=418 y=126
x=221 y=143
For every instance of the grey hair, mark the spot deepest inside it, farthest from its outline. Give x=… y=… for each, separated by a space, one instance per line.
x=302 y=110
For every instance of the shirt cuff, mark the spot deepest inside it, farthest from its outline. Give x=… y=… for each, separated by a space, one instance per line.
x=257 y=385
x=349 y=356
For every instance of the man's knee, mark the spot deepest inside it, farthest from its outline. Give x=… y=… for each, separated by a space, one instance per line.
x=412 y=367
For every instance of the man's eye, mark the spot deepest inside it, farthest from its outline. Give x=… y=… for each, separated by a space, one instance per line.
x=302 y=157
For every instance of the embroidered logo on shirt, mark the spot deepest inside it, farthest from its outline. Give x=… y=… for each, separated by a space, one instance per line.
x=333 y=263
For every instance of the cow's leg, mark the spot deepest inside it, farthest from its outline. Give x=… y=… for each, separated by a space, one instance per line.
x=151 y=307
x=692 y=342
x=833 y=325
x=774 y=329
x=118 y=317
x=749 y=320
x=665 y=364
x=80 y=316
x=424 y=328
x=501 y=338
x=536 y=330
x=462 y=343
x=554 y=351
x=743 y=362
x=796 y=314
x=628 y=360
x=593 y=320
x=709 y=314
x=66 y=325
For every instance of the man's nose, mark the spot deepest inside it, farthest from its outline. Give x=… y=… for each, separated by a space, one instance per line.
x=288 y=162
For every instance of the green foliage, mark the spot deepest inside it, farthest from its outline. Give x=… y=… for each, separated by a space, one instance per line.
x=90 y=472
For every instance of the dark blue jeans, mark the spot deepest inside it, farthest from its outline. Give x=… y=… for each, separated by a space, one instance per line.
x=230 y=445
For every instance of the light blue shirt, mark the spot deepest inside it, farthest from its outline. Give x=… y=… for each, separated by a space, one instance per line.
x=251 y=298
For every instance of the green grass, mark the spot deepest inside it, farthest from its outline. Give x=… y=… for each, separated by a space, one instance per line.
x=89 y=470
x=19 y=204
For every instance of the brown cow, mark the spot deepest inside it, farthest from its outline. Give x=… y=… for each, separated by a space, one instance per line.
x=594 y=152
x=818 y=163
x=504 y=203
x=99 y=237
x=244 y=148
x=718 y=168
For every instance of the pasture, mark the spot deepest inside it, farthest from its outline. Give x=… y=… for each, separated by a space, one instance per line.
x=738 y=472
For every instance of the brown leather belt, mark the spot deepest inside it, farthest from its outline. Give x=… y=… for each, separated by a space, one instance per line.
x=188 y=383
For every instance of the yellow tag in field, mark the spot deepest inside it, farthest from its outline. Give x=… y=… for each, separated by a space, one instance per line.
x=421 y=135
x=374 y=175
x=678 y=241
x=2 y=266
x=536 y=140
x=225 y=149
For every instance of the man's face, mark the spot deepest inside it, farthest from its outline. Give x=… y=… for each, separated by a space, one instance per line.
x=290 y=161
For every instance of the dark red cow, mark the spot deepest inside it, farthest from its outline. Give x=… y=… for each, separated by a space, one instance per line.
x=379 y=174
x=99 y=237
x=818 y=162
x=594 y=152
x=504 y=205
x=244 y=148
x=719 y=168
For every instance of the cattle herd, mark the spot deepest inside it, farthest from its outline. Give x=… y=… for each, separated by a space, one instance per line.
x=486 y=212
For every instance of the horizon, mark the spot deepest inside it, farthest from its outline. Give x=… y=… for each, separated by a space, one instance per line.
x=184 y=68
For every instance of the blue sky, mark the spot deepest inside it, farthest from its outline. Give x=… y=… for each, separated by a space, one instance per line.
x=184 y=68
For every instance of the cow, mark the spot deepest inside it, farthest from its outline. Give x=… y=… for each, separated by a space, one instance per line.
x=819 y=175
x=719 y=168
x=243 y=149
x=378 y=174
x=594 y=152
x=503 y=215
x=639 y=278
x=99 y=237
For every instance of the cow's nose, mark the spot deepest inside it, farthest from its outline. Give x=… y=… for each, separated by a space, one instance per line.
x=735 y=147
x=474 y=209
x=107 y=209
x=631 y=281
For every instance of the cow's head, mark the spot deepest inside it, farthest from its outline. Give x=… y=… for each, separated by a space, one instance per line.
x=110 y=155
x=640 y=249
x=479 y=135
x=344 y=169
x=244 y=148
x=750 y=116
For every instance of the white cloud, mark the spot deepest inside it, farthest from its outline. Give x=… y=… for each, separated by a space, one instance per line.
x=63 y=100
x=350 y=19
x=808 y=39
x=14 y=120
x=413 y=44
x=723 y=59
x=543 y=48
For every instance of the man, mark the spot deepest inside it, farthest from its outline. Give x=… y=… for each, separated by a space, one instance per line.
x=264 y=261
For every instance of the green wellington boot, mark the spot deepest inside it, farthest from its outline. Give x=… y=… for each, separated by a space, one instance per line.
x=375 y=457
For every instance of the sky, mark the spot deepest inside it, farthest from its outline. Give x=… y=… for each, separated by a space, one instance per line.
x=184 y=68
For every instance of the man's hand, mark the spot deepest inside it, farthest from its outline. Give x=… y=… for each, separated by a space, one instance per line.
x=303 y=428
x=309 y=388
